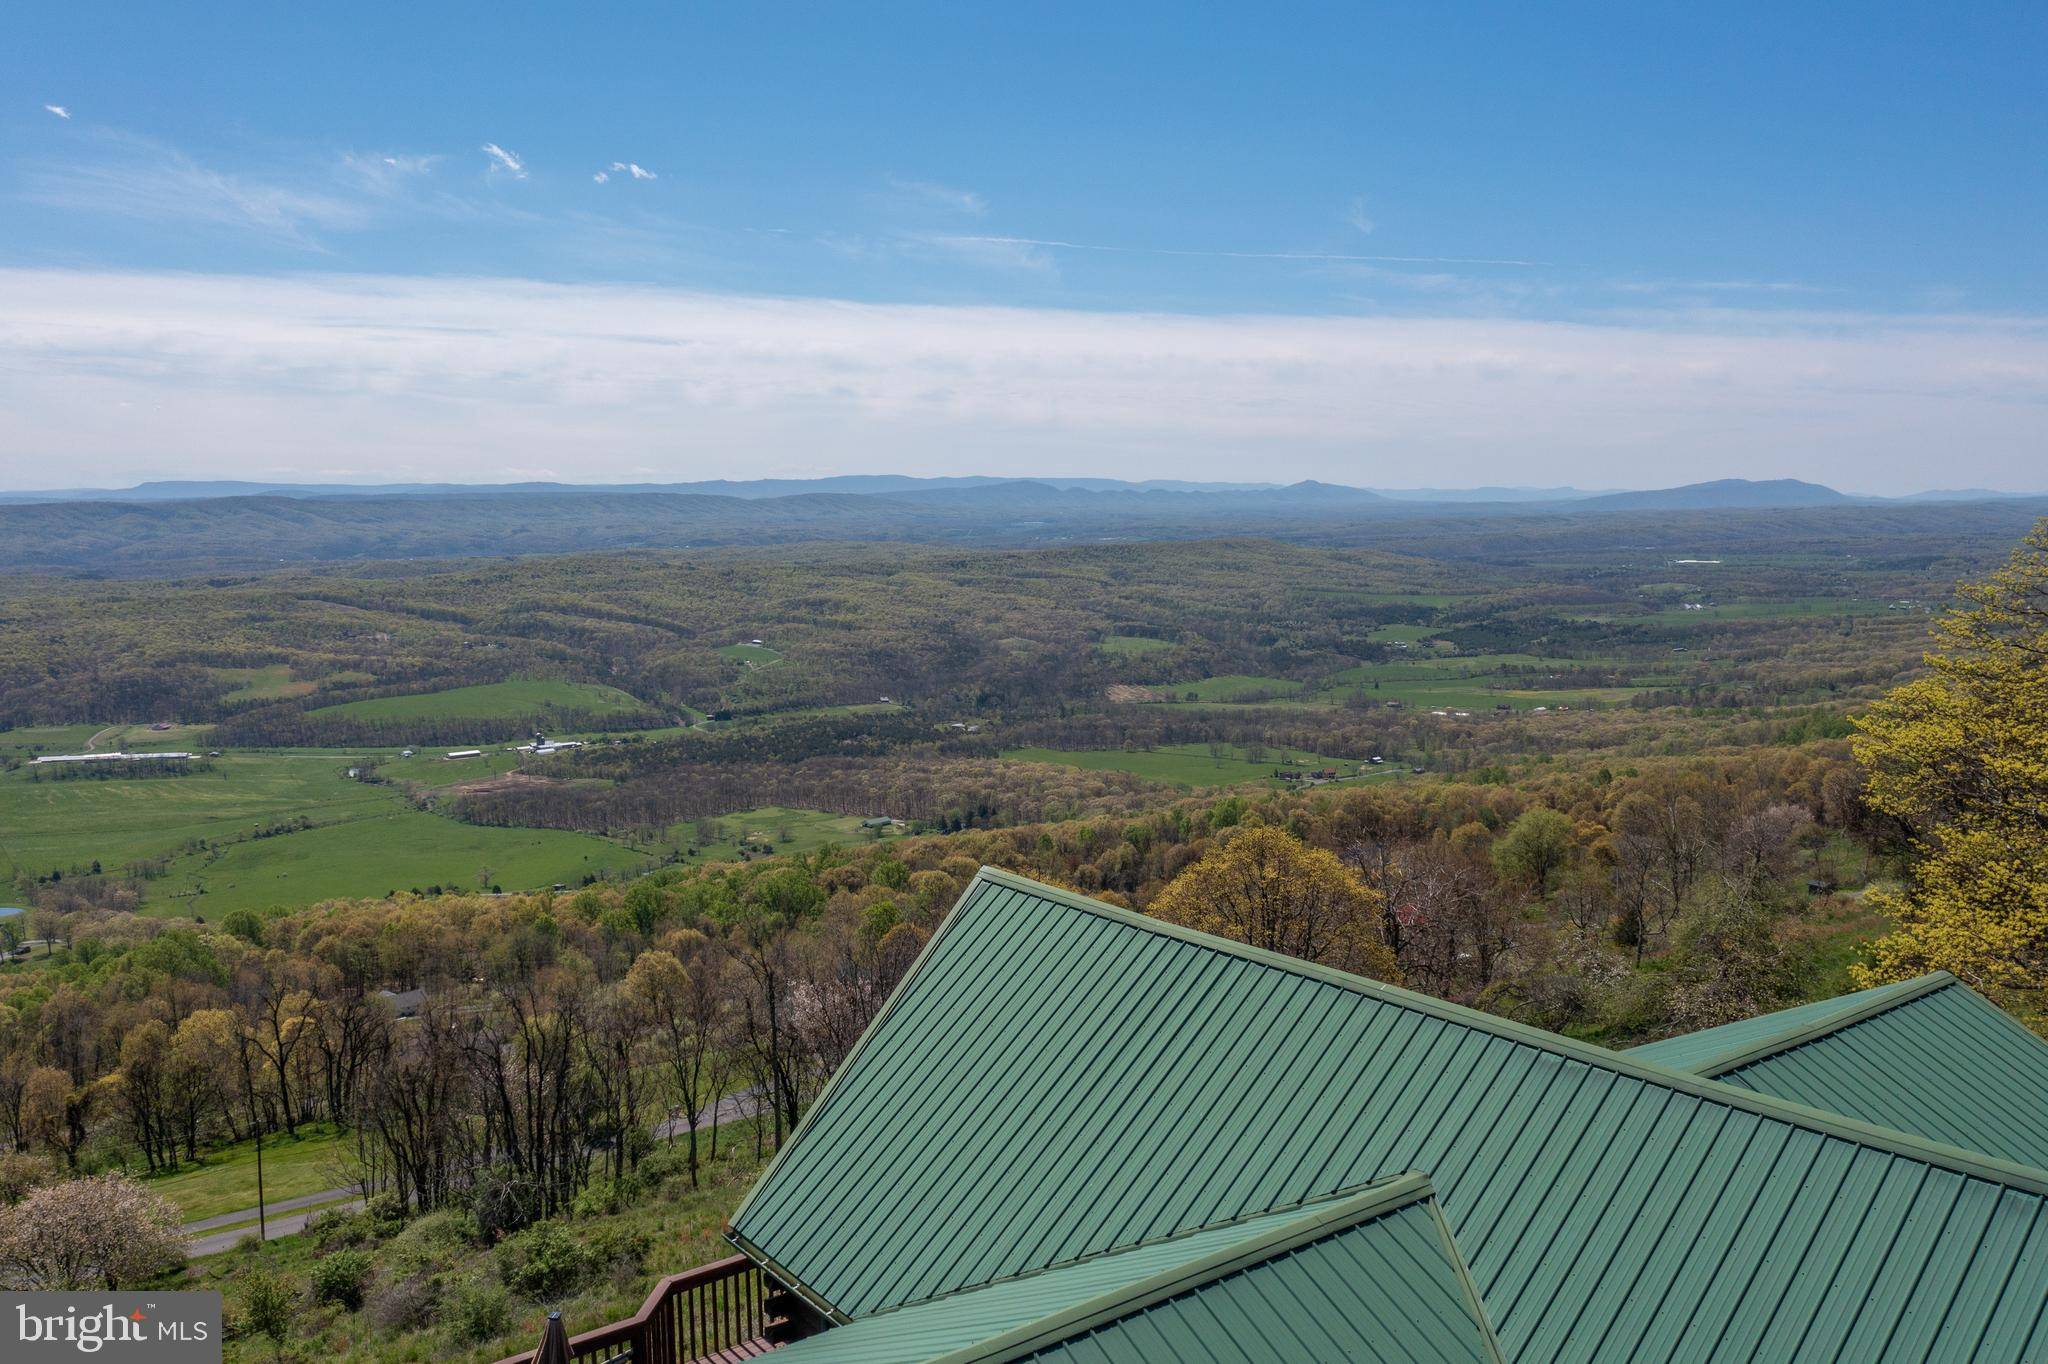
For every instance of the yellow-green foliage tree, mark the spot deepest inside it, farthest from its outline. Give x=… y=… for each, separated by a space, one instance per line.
x=1268 y=889
x=1961 y=755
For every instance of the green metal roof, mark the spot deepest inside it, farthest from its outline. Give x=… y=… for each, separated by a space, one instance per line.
x=1927 y=1056
x=1368 y=1277
x=1693 y=1050
x=1057 y=1078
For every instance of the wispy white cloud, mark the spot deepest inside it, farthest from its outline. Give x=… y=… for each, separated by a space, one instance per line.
x=1716 y=286
x=1355 y=214
x=139 y=177
x=502 y=160
x=1001 y=253
x=457 y=378
x=388 y=173
x=59 y=110
x=930 y=194
x=1055 y=244
x=637 y=172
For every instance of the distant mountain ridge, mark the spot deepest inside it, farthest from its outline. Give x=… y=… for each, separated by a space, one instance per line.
x=1722 y=492
x=988 y=489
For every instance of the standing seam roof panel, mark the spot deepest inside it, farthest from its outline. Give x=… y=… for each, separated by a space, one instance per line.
x=1504 y=1122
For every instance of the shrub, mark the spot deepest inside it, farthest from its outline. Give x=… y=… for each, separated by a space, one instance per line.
x=21 y=1172
x=615 y=1247
x=270 y=1304
x=476 y=1311
x=405 y=1304
x=103 y=1232
x=548 y=1264
x=341 y=1278
x=433 y=1242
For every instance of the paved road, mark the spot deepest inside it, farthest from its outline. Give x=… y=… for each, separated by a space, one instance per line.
x=273 y=1208
x=731 y=1108
x=291 y=1224
x=288 y=1216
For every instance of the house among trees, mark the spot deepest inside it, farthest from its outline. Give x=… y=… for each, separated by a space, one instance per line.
x=1079 y=1133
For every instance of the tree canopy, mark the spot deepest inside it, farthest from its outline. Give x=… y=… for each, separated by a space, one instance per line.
x=1961 y=757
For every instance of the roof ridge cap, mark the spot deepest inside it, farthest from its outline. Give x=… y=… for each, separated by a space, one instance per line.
x=1895 y=995
x=1385 y=1195
x=1336 y=1215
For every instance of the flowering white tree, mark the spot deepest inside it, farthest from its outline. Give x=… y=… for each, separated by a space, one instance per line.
x=106 y=1231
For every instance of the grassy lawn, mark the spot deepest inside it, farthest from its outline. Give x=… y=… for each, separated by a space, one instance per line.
x=1236 y=687
x=1182 y=764
x=753 y=655
x=318 y=1158
x=1132 y=644
x=491 y=701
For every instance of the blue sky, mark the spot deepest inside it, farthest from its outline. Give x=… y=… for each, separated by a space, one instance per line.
x=1612 y=244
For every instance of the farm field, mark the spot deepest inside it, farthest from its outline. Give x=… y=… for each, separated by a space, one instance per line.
x=781 y=828
x=1787 y=608
x=1132 y=644
x=1230 y=688
x=1183 y=764
x=754 y=655
x=490 y=701
x=361 y=834
x=262 y=684
x=394 y=848
x=47 y=824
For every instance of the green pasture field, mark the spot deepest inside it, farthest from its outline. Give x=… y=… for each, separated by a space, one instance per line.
x=806 y=831
x=365 y=839
x=1403 y=634
x=33 y=739
x=320 y=1157
x=1789 y=607
x=262 y=684
x=754 y=655
x=1426 y=694
x=490 y=701
x=1132 y=644
x=393 y=848
x=431 y=768
x=1182 y=764
x=1463 y=667
x=47 y=824
x=1229 y=688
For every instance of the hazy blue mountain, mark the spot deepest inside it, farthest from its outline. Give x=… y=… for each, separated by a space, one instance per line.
x=1721 y=492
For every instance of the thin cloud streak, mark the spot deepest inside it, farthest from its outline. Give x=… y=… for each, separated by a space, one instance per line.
x=138 y=177
x=1054 y=244
x=931 y=194
x=59 y=110
x=459 y=377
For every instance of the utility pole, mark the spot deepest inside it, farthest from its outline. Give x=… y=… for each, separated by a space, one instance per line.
x=262 y=1228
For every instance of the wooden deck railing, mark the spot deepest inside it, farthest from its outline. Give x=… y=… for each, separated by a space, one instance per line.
x=715 y=1312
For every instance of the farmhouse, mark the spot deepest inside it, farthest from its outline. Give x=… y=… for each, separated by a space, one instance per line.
x=1078 y=1133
